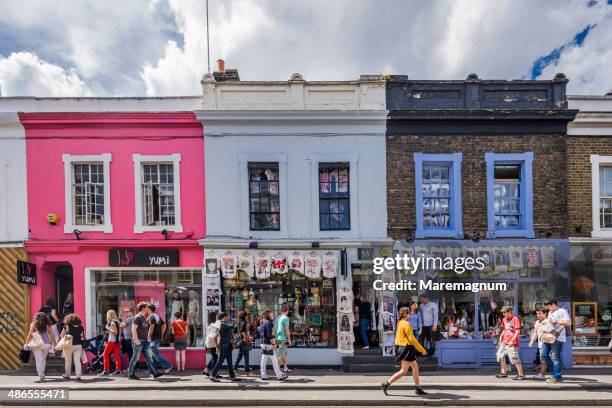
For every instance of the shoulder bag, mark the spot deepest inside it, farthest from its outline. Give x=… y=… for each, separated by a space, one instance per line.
x=36 y=341
x=64 y=343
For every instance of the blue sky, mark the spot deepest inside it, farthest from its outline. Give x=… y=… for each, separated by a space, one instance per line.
x=157 y=47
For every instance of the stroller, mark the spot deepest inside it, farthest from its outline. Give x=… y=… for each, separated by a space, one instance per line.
x=95 y=346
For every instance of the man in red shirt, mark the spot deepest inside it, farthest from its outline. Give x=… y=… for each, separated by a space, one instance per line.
x=509 y=344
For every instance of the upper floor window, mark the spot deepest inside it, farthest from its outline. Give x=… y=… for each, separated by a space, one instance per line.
x=157 y=193
x=601 y=186
x=264 y=197
x=87 y=192
x=334 y=197
x=438 y=195
x=605 y=197
x=509 y=195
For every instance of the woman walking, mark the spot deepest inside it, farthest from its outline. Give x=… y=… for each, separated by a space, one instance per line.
x=50 y=309
x=180 y=330
x=415 y=319
x=73 y=326
x=407 y=346
x=244 y=342
x=212 y=332
x=267 y=347
x=42 y=326
x=113 y=346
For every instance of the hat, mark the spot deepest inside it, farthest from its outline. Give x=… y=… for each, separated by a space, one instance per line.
x=507 y=309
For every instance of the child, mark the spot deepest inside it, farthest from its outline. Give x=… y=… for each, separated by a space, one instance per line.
x=541 y=326
x=509 y=344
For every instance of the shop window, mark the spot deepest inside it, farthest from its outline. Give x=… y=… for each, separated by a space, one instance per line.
x=264 y=198
x=490 y=303
x=334 y=197
x=311 y=301
x=438 y=195
x=170 y=290
x=509 y=195
x=87 y=193
x=531 y=296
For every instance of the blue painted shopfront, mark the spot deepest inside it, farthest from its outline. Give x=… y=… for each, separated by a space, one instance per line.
x=534 y=270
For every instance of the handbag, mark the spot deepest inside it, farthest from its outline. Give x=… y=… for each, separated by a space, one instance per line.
x=550 y=337
x=64 y=343
x=36 y=341
x=267 y=349
x=24 y=355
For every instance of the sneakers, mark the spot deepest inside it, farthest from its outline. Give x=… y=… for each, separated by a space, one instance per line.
x=133 y=377
x=284 y=377
x=552 y=380
x=287 y=370
x=264 y=378
x=365 y=348
x=115 y=373
x=234 y=379
x=156 y=375
x=104 y=374
x=539 y=376
x=214 y=379
x=420 y=391
x=167 y=370
x=501 y=375
x=518 y=377
x=385 y=387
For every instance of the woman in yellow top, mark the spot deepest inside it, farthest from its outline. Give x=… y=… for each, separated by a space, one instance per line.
x=407 y=346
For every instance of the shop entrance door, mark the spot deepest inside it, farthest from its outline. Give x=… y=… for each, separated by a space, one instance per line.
x=363 y=279
x=63 y=284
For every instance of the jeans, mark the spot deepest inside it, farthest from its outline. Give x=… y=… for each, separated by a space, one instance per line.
x=157 y=357
x=551 y=353
x=126 y=348
x=40 y=355
x=428 y=334
x=112 y=348
x=225 y=353
x=73 y=354
x=364 y=325
x=243 y=352
x=143 y=347
x=213 y=358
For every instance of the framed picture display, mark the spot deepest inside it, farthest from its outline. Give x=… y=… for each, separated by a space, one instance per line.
x=584 y=318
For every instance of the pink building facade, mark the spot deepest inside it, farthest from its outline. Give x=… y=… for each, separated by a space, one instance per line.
x=116 y=208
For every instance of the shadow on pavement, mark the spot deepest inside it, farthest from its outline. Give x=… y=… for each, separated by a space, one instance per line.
x=431 y=395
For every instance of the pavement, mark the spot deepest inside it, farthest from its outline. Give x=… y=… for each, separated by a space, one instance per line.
x=581 y=387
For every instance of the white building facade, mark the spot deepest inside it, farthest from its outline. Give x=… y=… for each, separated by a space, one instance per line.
x=295 y=203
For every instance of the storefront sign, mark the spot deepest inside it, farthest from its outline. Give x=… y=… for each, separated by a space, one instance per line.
x=143 y=257
x=26 y=273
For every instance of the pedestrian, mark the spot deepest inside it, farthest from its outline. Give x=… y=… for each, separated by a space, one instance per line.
x=407 y=346
x=68 y=306
x=41 y=325
x=541 y=325
x=508 y=345
x=50 y=309
x=267 y=347
x=245 y=342
x=140 y=342
x=225 y=348
x=212 y=348
x=553 y=353
x=414 y=318
x=112 y=345
x=180 y=330
x=74 y=327
x=126 y=334
x=283 y=337
x=429 y=319
x=365 y=319
x=157 y=328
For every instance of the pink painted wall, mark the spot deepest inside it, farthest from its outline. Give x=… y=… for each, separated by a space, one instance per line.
x=50 y=135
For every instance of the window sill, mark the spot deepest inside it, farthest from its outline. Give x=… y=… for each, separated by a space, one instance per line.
x=139 y=229
x=69 y=229
x=606 y=233
x=423 y=233
x=522 y=233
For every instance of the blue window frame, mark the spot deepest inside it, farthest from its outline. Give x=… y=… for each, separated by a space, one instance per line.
x=509 y=195
x=438 y=195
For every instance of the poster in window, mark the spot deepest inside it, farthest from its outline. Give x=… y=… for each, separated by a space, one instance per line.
x=213 y=297
x=152 y=292
x=345 y=323
x=343 y=181
x=279 y=264
x=246 y=264
x=324 y=181
x=262 y=266
x=345 y=300
x=585 y=318
x=345 y=343
x=330 y=265
x=295 y=262
x=388 y=303
x=228 y=265
x=212 y=266
x=387 y=322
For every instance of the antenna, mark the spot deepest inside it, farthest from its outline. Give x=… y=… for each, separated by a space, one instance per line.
x=207 y=38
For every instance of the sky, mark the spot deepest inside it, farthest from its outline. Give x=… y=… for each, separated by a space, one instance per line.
x=158 y=47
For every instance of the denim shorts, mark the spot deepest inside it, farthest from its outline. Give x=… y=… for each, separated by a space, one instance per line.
x=282 y=347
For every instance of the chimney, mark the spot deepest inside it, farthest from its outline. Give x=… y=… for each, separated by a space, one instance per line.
x=225 y=75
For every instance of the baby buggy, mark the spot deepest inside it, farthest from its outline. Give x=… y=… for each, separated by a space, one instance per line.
x=95 y=346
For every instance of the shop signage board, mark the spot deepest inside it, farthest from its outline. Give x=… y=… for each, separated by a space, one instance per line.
x=26 y=273
x=143 y=257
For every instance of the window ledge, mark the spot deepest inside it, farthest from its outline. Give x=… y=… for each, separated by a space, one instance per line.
x=601 y=233
x=69 y=229
x=139 y=229
x=424 y=233
x=518 y=233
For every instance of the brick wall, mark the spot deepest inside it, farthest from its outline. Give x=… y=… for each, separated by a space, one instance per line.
x=549 y=178
x=579 y=198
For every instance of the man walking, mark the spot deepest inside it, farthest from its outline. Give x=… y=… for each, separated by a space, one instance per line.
x=283 y=337
x=365 y=316
x=509 y=345
x=429 y=317
x=225 y=348
x=552 y=353
x=157 y=328
x=140 y=342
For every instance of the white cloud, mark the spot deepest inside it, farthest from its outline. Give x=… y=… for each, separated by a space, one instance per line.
x=23 y=73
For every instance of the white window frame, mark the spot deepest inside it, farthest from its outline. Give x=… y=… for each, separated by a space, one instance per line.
x=69 y=162
x=353 y=161
x=598 y=161
x=139 y=160
x=245 y=216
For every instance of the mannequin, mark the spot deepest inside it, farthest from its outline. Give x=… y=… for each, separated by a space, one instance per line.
x=193 y=315
x=175 y=306
x=125 y=305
